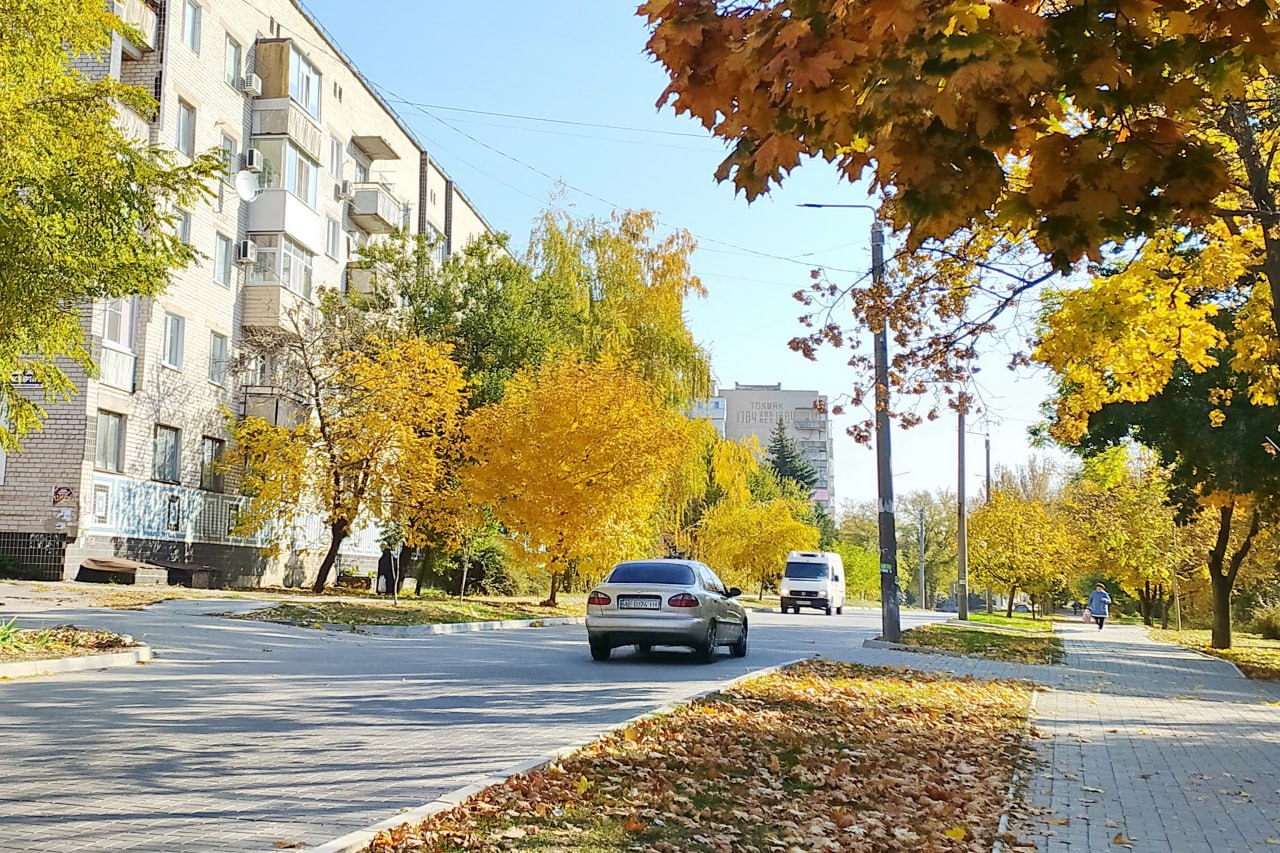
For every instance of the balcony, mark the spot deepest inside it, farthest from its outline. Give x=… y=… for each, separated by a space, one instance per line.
x=283 y=117
x=278 y=211
x=140 y=18
x=364 y=276
x=374 y=209
x=274 y=306
x=274 y=405
x=132 y=125
x=375 y=147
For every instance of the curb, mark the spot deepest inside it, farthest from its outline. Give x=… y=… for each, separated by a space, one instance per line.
x=902 y=647
x=1011 y=796
x=1204 y=655
x=139 y=653
x=409 y=631
x=353 y=842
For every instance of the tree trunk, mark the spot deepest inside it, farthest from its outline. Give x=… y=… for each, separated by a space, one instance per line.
x=1008 y=611
x=1222 y=573
x=337 y=534
x=1221 y=638
x=425 y=565
x=555 y=585
x=1146 y=603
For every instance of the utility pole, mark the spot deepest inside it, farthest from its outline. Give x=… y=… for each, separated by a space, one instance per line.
x=890 y=619
x=988 y=483
x=923 y=606
x=962 y=533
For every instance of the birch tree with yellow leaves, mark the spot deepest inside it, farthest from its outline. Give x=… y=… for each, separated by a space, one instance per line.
x=572 y=461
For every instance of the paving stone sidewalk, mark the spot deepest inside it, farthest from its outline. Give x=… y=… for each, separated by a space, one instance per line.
x=1168 y=749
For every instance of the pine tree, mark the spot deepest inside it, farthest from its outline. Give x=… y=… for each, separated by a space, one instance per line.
x=787 y=460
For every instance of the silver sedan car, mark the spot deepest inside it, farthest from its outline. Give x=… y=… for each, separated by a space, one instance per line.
x=649 y=603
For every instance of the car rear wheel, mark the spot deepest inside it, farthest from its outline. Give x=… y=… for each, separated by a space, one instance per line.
x=599 y=650
x=707 y=651
x=644 y=648
x=739 y=649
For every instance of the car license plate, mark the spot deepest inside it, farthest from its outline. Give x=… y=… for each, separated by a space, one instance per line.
x=633 y=603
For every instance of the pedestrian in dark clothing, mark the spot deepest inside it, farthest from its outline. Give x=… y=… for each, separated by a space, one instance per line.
x=1075 y=608
x=1098 y=604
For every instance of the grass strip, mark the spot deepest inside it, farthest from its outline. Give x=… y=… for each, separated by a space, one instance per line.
x=990 y=643
x=999 y=620
x=1257 y=657
x=411 y=611
x=63 y=641
x=821 y=756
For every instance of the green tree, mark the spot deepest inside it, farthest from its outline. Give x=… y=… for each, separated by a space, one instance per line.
x=939 y=543
x=1019 y=543
x=787 y=459
x=85 y=212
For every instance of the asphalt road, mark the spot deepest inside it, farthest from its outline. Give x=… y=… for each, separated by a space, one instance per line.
x=242 y=734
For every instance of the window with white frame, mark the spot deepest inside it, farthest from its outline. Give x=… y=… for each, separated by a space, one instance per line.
x=182 y=225
x=118 y=325
x=191 y=25
x=304 y=82
x=110 y=450
x=285 y=165
x=334 y=242
x=335 y=157
x=230 y=149
x=234 y=55
x=223 y=262
x=174 y=331
x=218 y=358
x=362 y=171
x=167 y=456
x=185 y=128
x=282 y=261
x=212 y=451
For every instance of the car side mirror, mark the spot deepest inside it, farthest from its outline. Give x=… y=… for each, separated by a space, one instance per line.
x=734 y=592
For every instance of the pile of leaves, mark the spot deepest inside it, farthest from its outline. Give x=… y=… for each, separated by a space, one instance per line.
x=992 y=643
x=821 y=756
x=18 y=644
x=412 y=611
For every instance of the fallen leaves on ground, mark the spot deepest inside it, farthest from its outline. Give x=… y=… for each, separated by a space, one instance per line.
x=822 y=756
x=1255 y=656
x=987 y=643
x=410 y=611
x=62 y=641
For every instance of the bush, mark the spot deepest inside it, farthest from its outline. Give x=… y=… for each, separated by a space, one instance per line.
x=1266 y=622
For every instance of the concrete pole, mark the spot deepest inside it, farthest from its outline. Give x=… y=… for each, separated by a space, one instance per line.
x=923 y=605
x=890 y=619
x=962 y=533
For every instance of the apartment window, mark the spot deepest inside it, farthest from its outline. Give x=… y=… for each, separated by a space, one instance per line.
x=230 y=149
x=335 y=157
x=234 y=55
x=217 y=358
x=295 y=267
x=222 y=260
x=211 y=453
x=174 y=330
x=284 y=165
x=304 y=82
x=110 y=454
x=362 y=172
x=167 y=455
x=118 y=326
x=185 y=133
x=182 y=225
x=191 y=25
x=334 y=239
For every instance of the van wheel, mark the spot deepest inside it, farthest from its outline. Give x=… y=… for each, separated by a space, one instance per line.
x=828 y=609
x=840 y=611
x=600 y=651
x=644 y=648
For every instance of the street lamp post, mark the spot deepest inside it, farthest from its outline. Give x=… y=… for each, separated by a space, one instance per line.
x=890 y=619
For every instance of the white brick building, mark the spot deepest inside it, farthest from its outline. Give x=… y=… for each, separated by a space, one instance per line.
x=123 y=469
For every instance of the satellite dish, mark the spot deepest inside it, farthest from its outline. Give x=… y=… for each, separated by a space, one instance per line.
x=247 y=185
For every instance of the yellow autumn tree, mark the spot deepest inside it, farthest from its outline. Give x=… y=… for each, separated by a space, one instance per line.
x=1018 y=542
x=747 y=543
x=375 y=423
x=572 y=461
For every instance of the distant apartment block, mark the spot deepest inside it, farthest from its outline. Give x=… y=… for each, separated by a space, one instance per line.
x=753 y=410
x=127 y=469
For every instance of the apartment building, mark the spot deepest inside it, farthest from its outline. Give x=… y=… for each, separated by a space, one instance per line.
x=127 y=468
x=753 y=410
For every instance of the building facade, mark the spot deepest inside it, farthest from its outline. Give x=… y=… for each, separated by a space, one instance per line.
x=127 y=468
x=753 y=410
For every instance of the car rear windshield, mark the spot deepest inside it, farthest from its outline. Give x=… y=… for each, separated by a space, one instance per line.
x=807 y=571
x=672 y=573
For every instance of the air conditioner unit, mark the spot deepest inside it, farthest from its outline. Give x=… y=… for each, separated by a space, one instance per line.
x=246 y=252
x=252 y=85
x=252 y=160
x=346 y=191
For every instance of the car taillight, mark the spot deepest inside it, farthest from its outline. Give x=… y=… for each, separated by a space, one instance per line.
x=599 y=599
x=684 y=599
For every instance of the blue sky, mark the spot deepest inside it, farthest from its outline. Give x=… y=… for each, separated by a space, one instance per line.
x=583 y=61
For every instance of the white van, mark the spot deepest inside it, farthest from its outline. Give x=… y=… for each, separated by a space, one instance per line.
x=813 y=579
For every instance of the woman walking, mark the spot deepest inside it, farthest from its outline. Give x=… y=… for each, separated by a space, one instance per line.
x=1098 y=603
